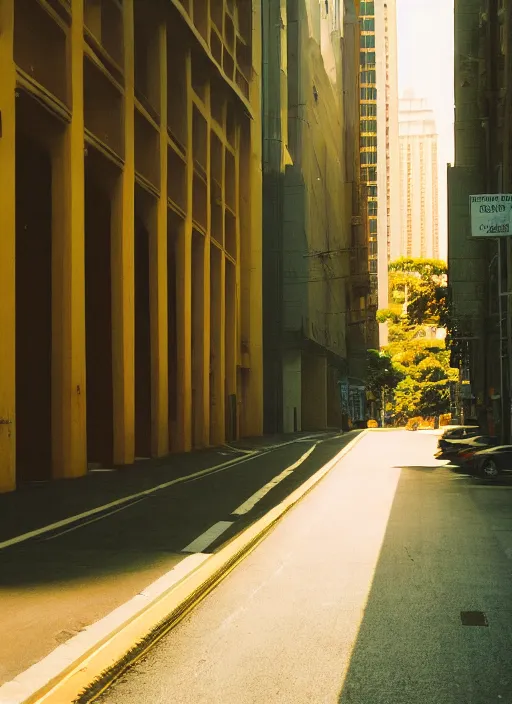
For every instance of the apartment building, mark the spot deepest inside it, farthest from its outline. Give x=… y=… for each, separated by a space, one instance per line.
x=315 y=250
x=419 y=180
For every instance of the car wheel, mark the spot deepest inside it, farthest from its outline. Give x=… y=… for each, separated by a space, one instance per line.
x=490 y=469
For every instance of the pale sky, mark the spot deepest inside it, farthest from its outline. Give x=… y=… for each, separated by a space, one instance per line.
x=425 y=63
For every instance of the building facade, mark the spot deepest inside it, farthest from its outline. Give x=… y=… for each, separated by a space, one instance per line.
x=479 y=270
x=130 y=213
x=315 y=249
x=419 y=180
x=379 y=139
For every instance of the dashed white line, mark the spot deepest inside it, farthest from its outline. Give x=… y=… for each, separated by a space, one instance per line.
x=258 y=495
x=208 y=537
x=93 y=520
x=126 y=499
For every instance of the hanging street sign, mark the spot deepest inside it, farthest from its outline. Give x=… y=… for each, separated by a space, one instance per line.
x=491 y=215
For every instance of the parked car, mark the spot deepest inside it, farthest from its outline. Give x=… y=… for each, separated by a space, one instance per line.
x=491 y=461
x=469 y=449
x=462 y=432
x=460 y=450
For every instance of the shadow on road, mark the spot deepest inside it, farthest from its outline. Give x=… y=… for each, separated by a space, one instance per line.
x=148 y=532
x=54 y=585
x=438 y=558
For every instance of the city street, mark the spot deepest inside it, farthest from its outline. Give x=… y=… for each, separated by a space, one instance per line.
x=388 y=584
x=72 y=552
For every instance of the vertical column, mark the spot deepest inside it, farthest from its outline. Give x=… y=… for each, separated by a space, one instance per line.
x=201 y=313
x=238 y=253
x=69 y=452
x=183 y=440
x=231 y=347
x=158 y=281
x=201 y=334
x=218 y=346
x=122 y=232
x=7 y=249
x=254 y=392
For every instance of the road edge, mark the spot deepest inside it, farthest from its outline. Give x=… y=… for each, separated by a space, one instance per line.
x=83 y=670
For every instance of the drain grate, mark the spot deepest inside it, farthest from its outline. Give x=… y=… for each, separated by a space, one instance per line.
x=473 y=618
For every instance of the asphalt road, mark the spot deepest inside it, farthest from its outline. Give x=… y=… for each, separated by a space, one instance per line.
x=359 y=596
x=56 y=584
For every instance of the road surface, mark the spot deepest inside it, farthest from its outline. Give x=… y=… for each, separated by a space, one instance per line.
x=56 y=583
x=360 y=596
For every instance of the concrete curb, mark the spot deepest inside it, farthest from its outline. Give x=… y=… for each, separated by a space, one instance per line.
x=100 y=653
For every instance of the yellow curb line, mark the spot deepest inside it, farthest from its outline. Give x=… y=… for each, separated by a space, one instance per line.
x=101 y=666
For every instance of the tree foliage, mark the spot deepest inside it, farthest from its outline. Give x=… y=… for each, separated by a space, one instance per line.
x=381 y=372
x=417 y=362
x=419 y=285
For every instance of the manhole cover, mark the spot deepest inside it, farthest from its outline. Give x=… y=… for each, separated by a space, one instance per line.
x=473 y=618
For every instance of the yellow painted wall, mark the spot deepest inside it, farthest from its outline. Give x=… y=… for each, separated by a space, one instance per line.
x=143 y=157
x=7 y=242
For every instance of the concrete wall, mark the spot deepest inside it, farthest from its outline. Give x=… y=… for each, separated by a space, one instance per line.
x=308 y=208
x=469 y=259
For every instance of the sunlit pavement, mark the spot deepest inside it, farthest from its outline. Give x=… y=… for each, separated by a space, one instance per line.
x=356 y=597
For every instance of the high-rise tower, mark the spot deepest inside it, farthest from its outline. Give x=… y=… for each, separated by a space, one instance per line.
x=419 y=180
x=379 y=138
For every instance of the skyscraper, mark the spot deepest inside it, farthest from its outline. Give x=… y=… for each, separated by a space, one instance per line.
x=419 y=180
x=379 y=138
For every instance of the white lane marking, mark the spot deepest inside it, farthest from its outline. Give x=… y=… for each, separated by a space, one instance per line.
x=93 y=520
x=119 y=502
x=208 y=537
x=258 y=495
x=237 y=449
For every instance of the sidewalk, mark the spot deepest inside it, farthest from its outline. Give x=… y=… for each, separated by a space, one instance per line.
x=56 y=584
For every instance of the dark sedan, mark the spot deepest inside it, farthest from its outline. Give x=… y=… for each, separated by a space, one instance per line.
x=492 y=461
x=463 y=449
x=461 y=432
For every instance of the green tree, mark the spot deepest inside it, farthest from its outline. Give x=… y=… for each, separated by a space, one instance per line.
x=419 y=286
x=381 y=373
x=418 y=366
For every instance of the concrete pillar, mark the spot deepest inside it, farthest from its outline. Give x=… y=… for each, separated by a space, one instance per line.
x=183 y=439
x=69 y=452
x=231 y=338
x=201 y=336
x=252 y=419
x=158 y=280
x=292 y=391
x=201 y=316
x=217 y=346
x=7 y=250
x=123 y=223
